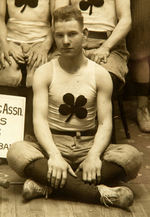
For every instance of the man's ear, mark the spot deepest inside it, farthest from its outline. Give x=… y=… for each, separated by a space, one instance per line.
x=85 y=33
x=85 y=37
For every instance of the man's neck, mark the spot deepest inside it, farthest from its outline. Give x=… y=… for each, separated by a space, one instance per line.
x=72 y=64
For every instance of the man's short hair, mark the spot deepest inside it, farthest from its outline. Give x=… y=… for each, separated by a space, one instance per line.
x=68 y=13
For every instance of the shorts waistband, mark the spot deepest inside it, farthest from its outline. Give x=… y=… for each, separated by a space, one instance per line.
x=74 y=133
x=97 y=35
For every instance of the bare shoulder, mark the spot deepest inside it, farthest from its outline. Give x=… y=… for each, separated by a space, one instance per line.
x=103 y=78
x=43 y=74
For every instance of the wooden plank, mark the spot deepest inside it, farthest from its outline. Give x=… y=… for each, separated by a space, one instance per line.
x=58 y=208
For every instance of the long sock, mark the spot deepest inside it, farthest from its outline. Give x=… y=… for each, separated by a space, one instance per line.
x=142 y=89
x=74 y=188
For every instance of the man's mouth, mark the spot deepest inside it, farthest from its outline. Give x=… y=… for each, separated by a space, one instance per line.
x=67 y=48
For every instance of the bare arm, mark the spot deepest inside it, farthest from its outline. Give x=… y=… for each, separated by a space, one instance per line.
x=91 y=166
x=119 y=33
x=40 y=111
x=57 y=166
x=4 y=50
x=123 y=26
x=104 y=113
x=3 y=27
x=38 y=54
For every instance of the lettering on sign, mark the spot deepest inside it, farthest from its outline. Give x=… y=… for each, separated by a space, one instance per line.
x=12 y=118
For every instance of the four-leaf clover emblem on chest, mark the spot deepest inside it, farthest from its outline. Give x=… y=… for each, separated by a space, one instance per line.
x=85 y=4
x=72 y=107
x=24 y=3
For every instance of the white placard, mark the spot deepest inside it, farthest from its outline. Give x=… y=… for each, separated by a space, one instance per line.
x=12 y=119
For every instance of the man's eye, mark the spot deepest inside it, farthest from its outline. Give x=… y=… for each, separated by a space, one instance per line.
x=59 y=35
x=71 y=34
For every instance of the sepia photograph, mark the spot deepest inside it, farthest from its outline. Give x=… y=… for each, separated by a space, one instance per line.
x=74 y=108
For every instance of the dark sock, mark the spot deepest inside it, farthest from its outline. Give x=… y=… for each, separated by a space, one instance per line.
x=112 y=173
x=142 y=89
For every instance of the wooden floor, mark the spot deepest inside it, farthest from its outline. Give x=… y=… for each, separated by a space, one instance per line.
x=12 y=204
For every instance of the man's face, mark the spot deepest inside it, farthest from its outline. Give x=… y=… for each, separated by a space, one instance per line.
x=68 y=37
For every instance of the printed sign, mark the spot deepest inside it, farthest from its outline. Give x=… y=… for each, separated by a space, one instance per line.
x=12 y=119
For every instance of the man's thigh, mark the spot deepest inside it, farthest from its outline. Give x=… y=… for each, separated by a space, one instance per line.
x=20 y=154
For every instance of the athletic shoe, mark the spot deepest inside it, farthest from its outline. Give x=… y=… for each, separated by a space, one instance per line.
x=32 y=189
x=115 y=196
x=143 y=119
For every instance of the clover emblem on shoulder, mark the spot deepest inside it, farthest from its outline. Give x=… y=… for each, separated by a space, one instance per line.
x=24 y=3
x=71 y=107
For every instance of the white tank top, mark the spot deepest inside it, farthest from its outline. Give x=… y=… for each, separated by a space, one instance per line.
x=102 y=18
x=81 y=87
x=28 y=21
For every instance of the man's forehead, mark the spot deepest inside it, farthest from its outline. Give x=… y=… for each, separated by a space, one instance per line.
x=67 y=24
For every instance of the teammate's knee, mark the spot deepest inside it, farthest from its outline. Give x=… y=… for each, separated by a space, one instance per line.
x=10 y=77
x=13 y=151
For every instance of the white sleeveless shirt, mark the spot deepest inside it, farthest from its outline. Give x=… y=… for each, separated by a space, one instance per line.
x=102 y=18
x=80 y=84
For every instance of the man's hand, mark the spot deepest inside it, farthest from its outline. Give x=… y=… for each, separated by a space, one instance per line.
x=98 y=55
x=4 y=55
x=37 y=55
x=91 y=169
x=57 y=171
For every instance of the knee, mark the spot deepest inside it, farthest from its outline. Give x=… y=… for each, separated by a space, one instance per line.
x=126 y=156
x=134 y=162
x=13 y=153
x=14 y=78
x=10 y=77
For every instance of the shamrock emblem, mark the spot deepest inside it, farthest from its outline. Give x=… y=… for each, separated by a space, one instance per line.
x=73 y=107
x=30 y=3
x=85 y=4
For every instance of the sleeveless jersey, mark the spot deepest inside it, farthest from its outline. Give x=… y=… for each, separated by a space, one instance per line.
x=103 y=18
x=28 y=23
x=72 y=98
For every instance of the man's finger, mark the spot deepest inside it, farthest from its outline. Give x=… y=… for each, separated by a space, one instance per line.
x=8 y=59
x=64 y=178
x=57 y=180
x=2 y=60
x=78 y=169
x=98 y=179
x=93 y=175
x=96 y=59
x=89 y=176
x=53 y=177
x=70 y=170
x=30 y=56
x=105 y=59
x=49 y=175
x=34 y=58
x=84 y=176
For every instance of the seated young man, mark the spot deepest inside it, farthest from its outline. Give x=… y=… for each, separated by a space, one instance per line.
x=25 y=39
x=69 y=155
x=108 y=23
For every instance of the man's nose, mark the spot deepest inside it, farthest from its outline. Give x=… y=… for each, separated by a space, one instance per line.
x=66 y=40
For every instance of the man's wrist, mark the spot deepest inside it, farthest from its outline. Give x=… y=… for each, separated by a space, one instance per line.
x=54 y=154
x=105 y=46
x=93 y=154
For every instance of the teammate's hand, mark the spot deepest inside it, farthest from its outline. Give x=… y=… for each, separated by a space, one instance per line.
x=98 y=55
x=37 y=55
x=4 y=55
